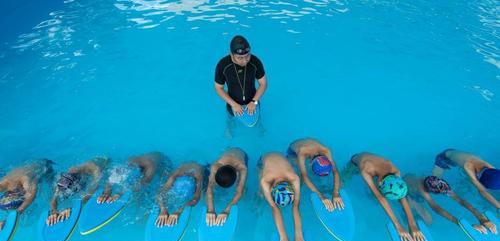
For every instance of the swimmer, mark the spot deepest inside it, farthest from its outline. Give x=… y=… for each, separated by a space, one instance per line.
x=481 y=173
x=225 y=172
x=420 y=190
x=20 y=186
x=320 y=159
x=389 y=185
x=148 y=166
x=186 y=183
x=281 y=187
x=73 y=184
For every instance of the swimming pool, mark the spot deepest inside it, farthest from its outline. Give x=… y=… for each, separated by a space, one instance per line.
x=404 y=79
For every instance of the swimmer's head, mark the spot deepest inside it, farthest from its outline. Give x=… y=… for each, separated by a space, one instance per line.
x=283 y=194
x=393 y=187
x=68 y=184
x=490 y=178
x=226 y=176
x=436 y=185
x=321 y=165
x=11 y=200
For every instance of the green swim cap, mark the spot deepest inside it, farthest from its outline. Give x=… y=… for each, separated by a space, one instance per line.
x=393 y=187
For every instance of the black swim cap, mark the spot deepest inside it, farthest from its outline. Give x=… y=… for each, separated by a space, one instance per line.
x=239 y=45
x=225 y=176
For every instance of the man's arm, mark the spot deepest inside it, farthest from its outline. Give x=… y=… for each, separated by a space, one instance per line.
x=480 y=217
x=296 y=209
x=31 y=189
x=278 y=219
x=301 y=158
x=438 y=209
x=224 y=95
x=210 y=194
x=381 y=199
x=262 y=88
x=336 y=176
x=239 y=190
x=482 y=190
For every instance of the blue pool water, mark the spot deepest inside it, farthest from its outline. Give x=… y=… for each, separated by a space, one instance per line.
x=404 y=79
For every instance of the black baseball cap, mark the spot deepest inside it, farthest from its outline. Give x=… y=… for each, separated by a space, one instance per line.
x=239 y=45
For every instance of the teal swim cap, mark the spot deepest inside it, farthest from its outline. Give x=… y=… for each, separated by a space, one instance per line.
x=393 y=187
x=283 y=194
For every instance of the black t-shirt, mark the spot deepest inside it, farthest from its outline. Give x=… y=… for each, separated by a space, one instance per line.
x=226 y=71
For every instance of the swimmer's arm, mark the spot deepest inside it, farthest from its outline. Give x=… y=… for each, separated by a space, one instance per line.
x=262 y=88
x=480 y=217
x=482 y=190
x=409 y=215
x=438 y=209
x=165 y=188
x=239 y=190
x=296 y=205
x=197 y=194
x=421 y=211
x=278 y=218
x=210 y=194
x=53 y=202
x=96 y=178
x=29 y=197
x=303 y=172
x=224 y=95
x=336 y=176
x=381 y=199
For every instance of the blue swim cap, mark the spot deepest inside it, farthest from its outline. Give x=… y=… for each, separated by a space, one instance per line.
x=490 y=178
x=321 y=166
x=184 y=187
x=393 y=187
x=283 y=194
x=11 y=200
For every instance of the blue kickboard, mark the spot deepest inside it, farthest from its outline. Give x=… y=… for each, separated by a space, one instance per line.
x=95 y=216
x=339 y=223
x=475 y=235
x=9 y=229
x=60 y=231
x=219 y=233
x=247 y=119
x=421 y=225
x=165 y=233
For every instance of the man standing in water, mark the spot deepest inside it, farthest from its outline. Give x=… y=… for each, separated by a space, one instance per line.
x=239 y=70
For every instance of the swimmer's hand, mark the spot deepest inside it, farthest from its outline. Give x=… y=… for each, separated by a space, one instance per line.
x=480 y=228
x=237 y=109
x=210 y=218
x=417 y=235
x=221 y=219
x=491 y=226
x=338 y=203
x=64 y=215
x=403 y=234
x=328 y=203
x=2 y=223
x=299 y=238
x=103 y=198
x=172 y=219
x=162 y=219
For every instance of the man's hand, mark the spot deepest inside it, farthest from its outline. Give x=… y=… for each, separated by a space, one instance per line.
x=251 y=108
x=210 y=219
x=221 y=219
x=328 y=203
x=338 y=203
x=237 y=109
